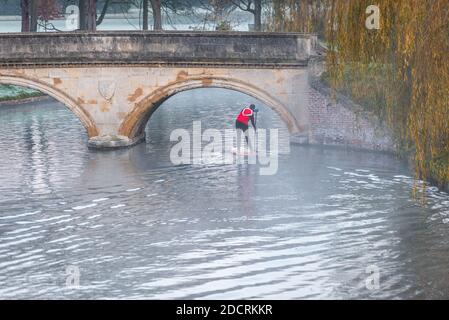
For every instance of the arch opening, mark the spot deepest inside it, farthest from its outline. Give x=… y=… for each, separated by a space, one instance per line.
x=206 y=111
x=134 y=124
x=58 y=95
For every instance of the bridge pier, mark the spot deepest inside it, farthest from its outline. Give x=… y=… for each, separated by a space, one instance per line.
x=114 y=141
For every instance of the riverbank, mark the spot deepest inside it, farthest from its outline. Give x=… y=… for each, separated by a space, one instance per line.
x=368 y=103
x=13 y=95
x=24 y=100
x=132 y=20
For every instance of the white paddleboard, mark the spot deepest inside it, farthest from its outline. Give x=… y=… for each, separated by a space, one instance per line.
x=243 y=152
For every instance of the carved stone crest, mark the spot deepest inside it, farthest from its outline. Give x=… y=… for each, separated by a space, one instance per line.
x=106 y=88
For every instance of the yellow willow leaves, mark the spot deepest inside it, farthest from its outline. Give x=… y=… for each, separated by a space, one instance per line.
x=406 y=61
x=294 y=15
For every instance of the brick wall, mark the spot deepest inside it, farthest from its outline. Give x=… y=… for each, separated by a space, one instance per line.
x=343 y=123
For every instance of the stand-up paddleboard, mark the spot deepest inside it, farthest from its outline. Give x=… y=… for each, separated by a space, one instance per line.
x=243 y=152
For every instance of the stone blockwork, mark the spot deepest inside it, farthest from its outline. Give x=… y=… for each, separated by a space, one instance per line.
x=115 y=103
x=343 y=123
x=154 y=48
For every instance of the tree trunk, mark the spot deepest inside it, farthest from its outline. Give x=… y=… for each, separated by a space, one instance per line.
x=258 y=15
x=25 y=7
x=145 y=15
x=82 y=8
x=91 y=12
x=88 y=15
x=33 y=15
x=157 y=14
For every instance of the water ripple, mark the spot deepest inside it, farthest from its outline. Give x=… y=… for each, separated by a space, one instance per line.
x=138 y=227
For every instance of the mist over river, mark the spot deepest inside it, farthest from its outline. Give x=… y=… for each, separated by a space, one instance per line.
x=136 y=226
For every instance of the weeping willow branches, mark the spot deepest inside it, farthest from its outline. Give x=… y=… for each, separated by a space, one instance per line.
x=408 y=56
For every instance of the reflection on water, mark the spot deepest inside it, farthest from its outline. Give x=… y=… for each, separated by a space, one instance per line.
x=139 y=227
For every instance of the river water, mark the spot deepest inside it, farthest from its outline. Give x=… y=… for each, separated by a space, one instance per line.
x=129 y=224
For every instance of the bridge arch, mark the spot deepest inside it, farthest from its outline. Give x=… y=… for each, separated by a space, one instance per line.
x=57 y=94
x=133 y=126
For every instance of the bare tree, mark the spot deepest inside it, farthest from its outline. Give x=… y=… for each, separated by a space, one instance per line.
x=88 y=14
x=33 y=15
x=157 y=14
x=145 y=15
x=216 y=13
x=156 y=6
x=103 y=12
x=47 y=10
x=33 y=11
x=254 y=7
x=25 y=13
x=83 y=15
x=91 y=11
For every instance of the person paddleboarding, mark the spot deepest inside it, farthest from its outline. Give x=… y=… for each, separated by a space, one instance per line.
x=244 y=117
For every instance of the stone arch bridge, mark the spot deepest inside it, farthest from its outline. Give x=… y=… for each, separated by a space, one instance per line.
x=114 y=81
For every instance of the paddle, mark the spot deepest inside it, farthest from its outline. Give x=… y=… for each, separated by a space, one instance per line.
x=256 y=111
x=255 y=120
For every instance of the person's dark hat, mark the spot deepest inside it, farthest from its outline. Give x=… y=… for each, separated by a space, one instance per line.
x=252 y=107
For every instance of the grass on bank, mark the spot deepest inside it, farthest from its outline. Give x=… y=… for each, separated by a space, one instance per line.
x=12 y=93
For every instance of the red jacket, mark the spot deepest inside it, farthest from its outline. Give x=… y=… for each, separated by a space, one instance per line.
x=245 y=115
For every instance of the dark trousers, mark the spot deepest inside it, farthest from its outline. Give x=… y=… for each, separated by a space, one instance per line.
x=243 y=127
